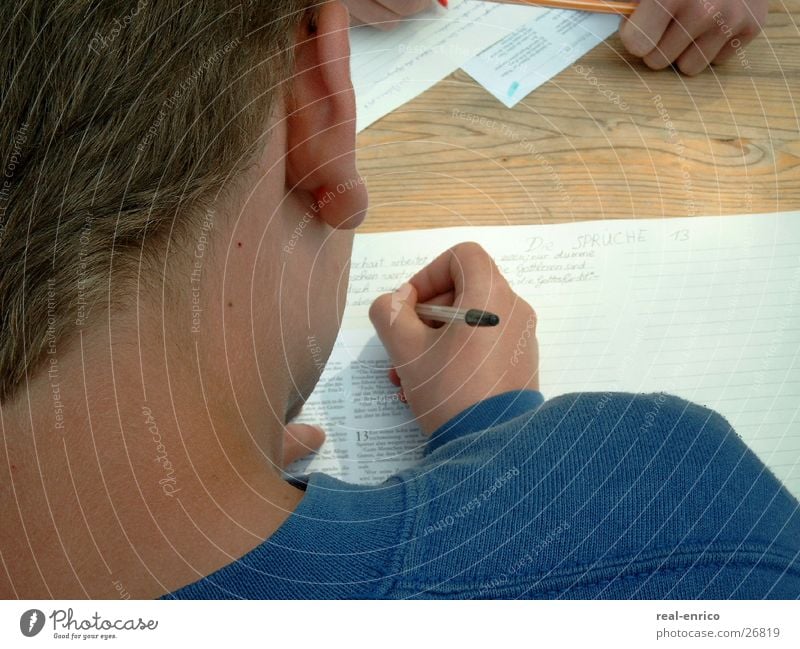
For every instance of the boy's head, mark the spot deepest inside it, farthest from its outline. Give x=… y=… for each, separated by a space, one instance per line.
x=187 y=163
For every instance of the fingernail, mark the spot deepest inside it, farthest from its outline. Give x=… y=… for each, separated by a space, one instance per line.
x=638 y=42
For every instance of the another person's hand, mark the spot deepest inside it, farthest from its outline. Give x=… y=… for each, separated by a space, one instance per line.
x=691 y=33
x=444 y=370
x=384 y=14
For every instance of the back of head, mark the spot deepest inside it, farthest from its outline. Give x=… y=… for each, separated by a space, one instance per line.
x=121 y=123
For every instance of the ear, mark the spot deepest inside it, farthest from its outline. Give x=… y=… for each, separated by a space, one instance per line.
x=321 y=122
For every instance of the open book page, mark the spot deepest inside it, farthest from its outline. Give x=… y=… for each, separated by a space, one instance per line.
x=705 y=308
x=391 y=68
x=547 y=42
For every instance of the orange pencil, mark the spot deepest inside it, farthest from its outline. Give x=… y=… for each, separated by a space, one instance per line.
x=623 y=8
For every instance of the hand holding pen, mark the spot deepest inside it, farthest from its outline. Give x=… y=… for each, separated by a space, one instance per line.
x=443 y=370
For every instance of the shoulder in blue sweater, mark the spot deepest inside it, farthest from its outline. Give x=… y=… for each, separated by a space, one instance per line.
x=585 y=496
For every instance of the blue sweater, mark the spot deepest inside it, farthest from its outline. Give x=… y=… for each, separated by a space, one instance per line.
x=585 y=496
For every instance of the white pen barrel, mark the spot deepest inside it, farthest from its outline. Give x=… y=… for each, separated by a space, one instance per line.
x=441 y=313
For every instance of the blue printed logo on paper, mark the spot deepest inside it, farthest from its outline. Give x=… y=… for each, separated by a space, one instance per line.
x=31 y=622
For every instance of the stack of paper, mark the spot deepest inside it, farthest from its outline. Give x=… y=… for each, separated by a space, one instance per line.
x=391 y=68
x=550 y=41
x=509 y=49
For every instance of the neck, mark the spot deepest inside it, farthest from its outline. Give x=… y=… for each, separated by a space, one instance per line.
x=134 y=471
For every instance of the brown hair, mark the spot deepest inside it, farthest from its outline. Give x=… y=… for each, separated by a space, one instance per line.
x=117 y=118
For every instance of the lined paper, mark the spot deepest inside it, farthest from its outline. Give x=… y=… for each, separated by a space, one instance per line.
x=705 y=308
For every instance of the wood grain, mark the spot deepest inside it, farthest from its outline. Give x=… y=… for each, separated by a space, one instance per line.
x=724 y=142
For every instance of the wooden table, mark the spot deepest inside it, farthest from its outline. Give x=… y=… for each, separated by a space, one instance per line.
x=597 y=142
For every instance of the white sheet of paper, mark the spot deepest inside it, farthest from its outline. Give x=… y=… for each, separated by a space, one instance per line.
x=549 y=41
x=705 y=308
x=391 y=68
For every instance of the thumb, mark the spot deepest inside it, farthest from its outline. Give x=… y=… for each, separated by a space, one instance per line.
x=396 y=322
x=299 y=440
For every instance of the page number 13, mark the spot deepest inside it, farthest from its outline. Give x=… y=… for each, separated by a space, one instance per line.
x=680 y=235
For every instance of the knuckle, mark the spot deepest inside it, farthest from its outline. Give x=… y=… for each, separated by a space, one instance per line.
x=470 y=249
x=702 y=23
x=471 y=254
x=381 y=305
x=736 y=18
x=637 y=42
x=627 y=33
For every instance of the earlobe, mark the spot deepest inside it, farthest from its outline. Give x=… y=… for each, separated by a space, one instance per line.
x=321 y=122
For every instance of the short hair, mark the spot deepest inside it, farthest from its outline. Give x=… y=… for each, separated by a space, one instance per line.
x=121 y=121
